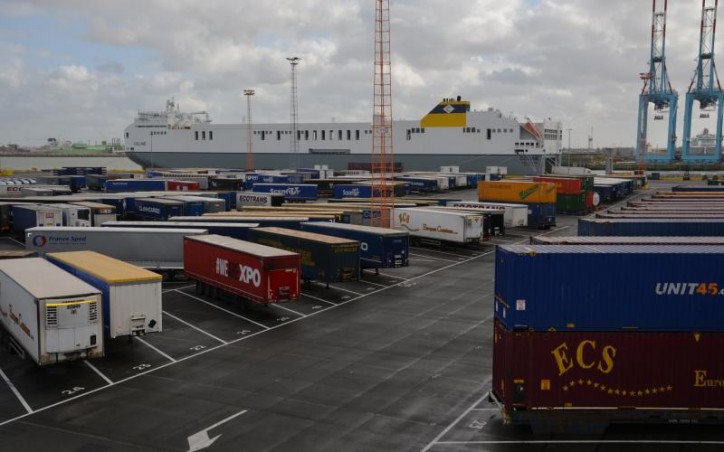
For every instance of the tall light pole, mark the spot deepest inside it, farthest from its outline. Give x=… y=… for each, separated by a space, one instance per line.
x=569 y=145
x=294 y=115
x=249 y=156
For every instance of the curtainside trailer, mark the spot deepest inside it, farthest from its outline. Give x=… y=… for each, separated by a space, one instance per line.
x=379 y=247
x=131 y=294
x=154 y=249
x=259 y=273
x=324 y=258
x=52 y=315
x=439 y=226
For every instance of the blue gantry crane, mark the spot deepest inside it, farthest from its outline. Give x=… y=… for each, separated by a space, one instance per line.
x=657 y=90
x=706 y=89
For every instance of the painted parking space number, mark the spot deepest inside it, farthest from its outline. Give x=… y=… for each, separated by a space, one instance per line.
x=141 y=367
x=197 y=348
x=74 y=390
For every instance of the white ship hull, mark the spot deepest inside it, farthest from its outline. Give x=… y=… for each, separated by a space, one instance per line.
x=450 y=135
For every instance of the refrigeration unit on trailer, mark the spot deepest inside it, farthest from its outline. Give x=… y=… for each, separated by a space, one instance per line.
x=154 y=249
x=25 y=216
x=255 y=272
x=100 y=213
x=52 y=315
x=439 y=226
x=131 y=294
x=75 y=215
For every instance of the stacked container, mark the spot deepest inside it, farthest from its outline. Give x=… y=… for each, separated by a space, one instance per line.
x=574 y=195
x=540 y=197
x=597 y=334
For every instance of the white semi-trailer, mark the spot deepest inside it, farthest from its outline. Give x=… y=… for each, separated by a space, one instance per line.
x=52 y=315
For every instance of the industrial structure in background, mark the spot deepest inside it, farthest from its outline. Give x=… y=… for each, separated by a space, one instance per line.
x=382 y=164
x=294 y=115
x=657 y=90
x=249 y=155
x=706 y=89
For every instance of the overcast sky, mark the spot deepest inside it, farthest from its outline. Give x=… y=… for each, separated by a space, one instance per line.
x=80 y=69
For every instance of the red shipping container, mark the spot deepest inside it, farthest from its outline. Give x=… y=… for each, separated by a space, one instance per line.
x=589 y=201
x=617 y=375
x=182 y=185
x=564 y=185
x=257 y=272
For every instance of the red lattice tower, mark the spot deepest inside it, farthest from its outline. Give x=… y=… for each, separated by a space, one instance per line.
x=383 y=159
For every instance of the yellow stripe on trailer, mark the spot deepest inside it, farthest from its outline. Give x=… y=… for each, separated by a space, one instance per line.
x=104 y=267
x=70 y=303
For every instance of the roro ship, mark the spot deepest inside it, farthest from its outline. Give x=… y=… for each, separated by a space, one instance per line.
x=451 y=134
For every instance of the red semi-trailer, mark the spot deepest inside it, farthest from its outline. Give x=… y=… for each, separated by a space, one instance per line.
x=255 y=272
x=553 y=379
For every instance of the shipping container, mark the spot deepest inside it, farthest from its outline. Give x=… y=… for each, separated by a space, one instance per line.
x=155 y=249
x=226 y=183
x=514 y=215
x=259 y=273
x=289 y=222
x=192 y=206
x=651 y=226
x=132 y=185
x=26 y=216
x=436 y=226
x=493 y=219
x=52 y=315
x=291 y=192
x=324 y=258
x=610 y=287
x=235 y=230
x=673 y=216
x=565 y=382
x=517 y=192
x=210 y=204
x=159 y=209
x=365 y=191
x=131 y=294
x=182 y=185
x=420 y=184
x=564 y=185
x=6 y=220
x=571 y=204
x=96 y=182
x=100 y=213
x=379 y=247
x=698 y=188
x=624 y=240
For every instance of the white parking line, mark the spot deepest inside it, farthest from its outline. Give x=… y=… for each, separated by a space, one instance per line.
x=372 y=284
x=178 y=288
x=465 y=413
x=147 y=344
x=100 y=374
x=16 y=392
x=586 y=441
x=195 y=327
x=222 y=309
x=318 y=299
x=339 y=288
x=276 y=305
x=433 y=258
x=448 y=253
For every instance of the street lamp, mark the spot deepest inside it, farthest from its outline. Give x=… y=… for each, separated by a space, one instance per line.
x=294 y=157
x=249 y=156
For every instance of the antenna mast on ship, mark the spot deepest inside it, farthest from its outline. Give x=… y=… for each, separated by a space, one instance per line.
x=705 y=88
x=383 y=161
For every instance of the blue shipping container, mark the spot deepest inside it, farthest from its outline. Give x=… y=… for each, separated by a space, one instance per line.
x=119 y=185
x=291 y=192
x=358 y=191
x=191 y=207
x=157 y=208
x=651 y=226
x=235 y=230
x=610 y=287
x=379 y=247
x=541 y=215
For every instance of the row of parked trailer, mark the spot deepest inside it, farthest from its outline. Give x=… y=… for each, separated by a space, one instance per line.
x=619 y=324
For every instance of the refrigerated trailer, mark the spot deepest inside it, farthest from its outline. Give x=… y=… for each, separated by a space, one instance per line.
x=131 y=294
x=439 y=226
x=50 y=314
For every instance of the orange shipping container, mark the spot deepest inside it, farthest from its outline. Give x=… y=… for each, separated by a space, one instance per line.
x=517 y=191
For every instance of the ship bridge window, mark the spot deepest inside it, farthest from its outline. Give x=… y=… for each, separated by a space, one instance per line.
x=279 y=135
x=356 y=135
x=211 y=134
x=339 y=135
x=324 y=135
x=306 y=135
x=196 y=135
x=203 y=134
x=314 y=135
x=349 y=135
x=489 y=133
x=126 y=134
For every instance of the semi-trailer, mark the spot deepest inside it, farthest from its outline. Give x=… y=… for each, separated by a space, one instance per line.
x=379 y=247
x=245 y=199
x=651 y=226
x=624 y=240
x=610 y=287
x=100 y=213
x=437 y=226
x=324 y=258
x=75 y=215
x=255 y=272
x=26 y=216
x=51 y=315
x=235 y=230
x=154 y=249
x=131 y=294
x=291 y=192
x=159 y=209
x=290 y=222
x=514 y=215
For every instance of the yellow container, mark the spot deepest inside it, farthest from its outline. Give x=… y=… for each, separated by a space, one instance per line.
x=517 y=191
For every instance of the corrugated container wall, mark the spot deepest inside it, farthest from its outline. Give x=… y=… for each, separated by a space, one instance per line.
x=651 y=226
x=517 y=191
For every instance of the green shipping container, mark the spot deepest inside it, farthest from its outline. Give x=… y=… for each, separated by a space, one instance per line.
x=571 y=204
